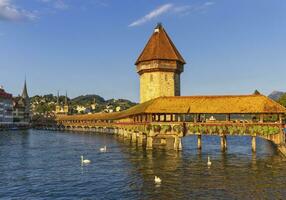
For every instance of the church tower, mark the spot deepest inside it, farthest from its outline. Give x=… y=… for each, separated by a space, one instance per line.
x=26 y=99
x=66 y=106
x=62 y=109
x=58 y=105
x=159 y=67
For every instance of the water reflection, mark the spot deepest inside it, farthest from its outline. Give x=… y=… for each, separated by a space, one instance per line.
x=233 y=174
x=43 y=164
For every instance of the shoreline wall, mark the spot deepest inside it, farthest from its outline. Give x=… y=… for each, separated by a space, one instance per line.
x=14 y=126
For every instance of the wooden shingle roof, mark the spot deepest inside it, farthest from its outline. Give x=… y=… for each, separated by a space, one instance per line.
x=231 y=104
x=160 y=47
x=236 y=104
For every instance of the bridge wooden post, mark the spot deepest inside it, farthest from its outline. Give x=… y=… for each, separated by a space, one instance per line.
x=223 y=142
x=282 y=134
x=118 y=131
x=200 y=141
x=278 y=139
x=149 y=144
x=261 y=118
x=121 y=132
x=280 y=118
x=140 y=138
x=134 y=137
x=253 y=143
x=129 y=134
x=125 y=134
x=195 y=118
x=177 y=143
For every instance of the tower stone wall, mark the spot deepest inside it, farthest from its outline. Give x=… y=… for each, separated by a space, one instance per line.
x=160 y=78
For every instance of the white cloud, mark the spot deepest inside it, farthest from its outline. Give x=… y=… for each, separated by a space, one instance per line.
x=173 y=9
x=187 y=9
x=204 y=6
x=153 y=14
x=58 y=4
x=180 y=9
x=209 y=3
x=9 y=12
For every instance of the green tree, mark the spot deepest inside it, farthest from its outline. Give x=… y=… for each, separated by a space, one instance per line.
x=282 y=100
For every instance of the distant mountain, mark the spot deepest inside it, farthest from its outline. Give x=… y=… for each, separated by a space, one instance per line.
x=275 y=95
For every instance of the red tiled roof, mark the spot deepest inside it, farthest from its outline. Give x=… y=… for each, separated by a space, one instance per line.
x=4 y=94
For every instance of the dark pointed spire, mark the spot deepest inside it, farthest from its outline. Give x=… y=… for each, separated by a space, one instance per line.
x=25 y=92
x=256 y=92
x=159 y=25
x=66 y=99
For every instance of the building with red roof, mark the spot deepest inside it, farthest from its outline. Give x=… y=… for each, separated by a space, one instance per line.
x=6 y=107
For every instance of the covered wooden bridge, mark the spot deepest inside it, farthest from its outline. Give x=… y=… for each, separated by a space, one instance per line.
x=165 y=120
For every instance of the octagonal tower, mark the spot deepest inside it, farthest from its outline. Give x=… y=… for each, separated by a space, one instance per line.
x=159 y=67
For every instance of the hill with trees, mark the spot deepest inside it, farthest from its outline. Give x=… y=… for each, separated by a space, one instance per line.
x=278 y=96
x=46 y=104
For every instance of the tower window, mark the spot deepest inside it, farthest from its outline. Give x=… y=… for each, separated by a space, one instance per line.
x=166 y=77
x=151 y=77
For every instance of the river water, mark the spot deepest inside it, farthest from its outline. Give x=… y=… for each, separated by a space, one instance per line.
x=46 y=165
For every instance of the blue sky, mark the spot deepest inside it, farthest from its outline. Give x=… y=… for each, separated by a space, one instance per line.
x=90 y=46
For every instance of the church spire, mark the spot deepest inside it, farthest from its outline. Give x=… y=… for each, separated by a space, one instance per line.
x=66 y=99
x=25 y=92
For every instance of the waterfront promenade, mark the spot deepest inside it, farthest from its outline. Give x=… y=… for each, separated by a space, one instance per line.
x=14 y=126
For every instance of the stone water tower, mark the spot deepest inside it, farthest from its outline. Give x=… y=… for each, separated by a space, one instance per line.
x=159 y=67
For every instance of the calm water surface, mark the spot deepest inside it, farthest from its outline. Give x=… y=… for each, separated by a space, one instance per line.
x=46 y=165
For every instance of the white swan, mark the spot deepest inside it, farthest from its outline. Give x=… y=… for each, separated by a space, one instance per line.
x=157 y=180
x=84 y=161
x=103 y=149
x=209 y=161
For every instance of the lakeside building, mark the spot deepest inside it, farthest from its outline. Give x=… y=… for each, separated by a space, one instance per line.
x=21 y=107
x=6 y=107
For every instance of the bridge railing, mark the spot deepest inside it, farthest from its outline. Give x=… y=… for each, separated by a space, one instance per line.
x=216 y=127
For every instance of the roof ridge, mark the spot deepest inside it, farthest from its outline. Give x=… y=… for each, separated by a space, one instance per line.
x=275 y=102
x=176 y=52
x=211 y=96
